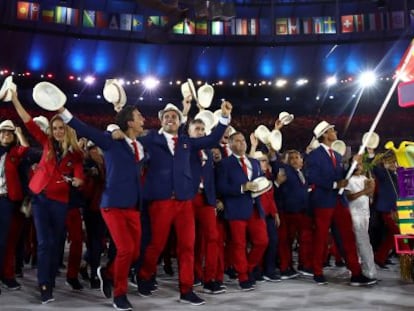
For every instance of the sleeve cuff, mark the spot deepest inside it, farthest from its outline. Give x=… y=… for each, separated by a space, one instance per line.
x=66 y=116
x=224 y=120
x=184 y=119
x=335 y=185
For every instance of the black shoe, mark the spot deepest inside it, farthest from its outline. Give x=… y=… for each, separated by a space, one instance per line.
x=46 y=295
x=74 y=283
x=83 y=271
x=288 y=274
x=246 y=286
x=305 y=271
x=272 y=277
x=213 y=288
x=133 y=280
x=168 y=270
x=121 y=303
x=320 y=280
x=231 y=273
x=95 y=283
x=144 y=288
x=105 y=282
x=339 y=264
x=362 y=280
x=11 y=284
x=192 y=299
x=221 y=285
x=197 y=282
x=389 y=262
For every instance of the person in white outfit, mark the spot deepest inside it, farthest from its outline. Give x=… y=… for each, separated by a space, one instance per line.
x=358 y=192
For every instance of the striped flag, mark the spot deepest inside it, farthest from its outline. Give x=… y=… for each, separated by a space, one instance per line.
x=60 y=15
x=317 y=25
x=376 y=22
x=126 y=22
x=137 y=23
x=201 y=28
x=359 y=23
x=307 y=25
x=217 y=28
x=34 y=11
x=101 y=19
x=282 y=26
x=178 y=28
x=23 y=10
x=329 y=24
x=189 y=27
x=294 y=26
x=72 y=17
x=88 y=18
x=48 y=14
x=229 y=27
x=408 y=74
x=241 y=26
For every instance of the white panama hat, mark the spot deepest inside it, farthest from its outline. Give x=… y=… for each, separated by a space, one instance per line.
x=262 y=133
x=373 y=140
x=114 y=93
x=48 y=96
x=275 y=140
x=263 y=185
x=170 y=107
x=42 y=122
x=321 y=128
x=187 y=89
x=205 y=94
x=208 y=119
x=7 y=125
x=339 y=146
x=5 y=94
x=286 y=117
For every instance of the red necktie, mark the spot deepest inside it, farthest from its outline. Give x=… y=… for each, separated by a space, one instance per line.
x=136 y=151
x=175 y=140
x=225 y=151
x=332 y=157
x=244 y=166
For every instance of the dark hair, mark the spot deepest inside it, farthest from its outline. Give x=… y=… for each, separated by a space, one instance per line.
x=197 y=121
x=124 y=116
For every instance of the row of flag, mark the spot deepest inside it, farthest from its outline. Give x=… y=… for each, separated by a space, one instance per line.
x=240 y=26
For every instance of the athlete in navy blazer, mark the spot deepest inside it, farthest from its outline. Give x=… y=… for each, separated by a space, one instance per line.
x=122 y=196
x=326 y=176
x=245 y=214
x=169 y=187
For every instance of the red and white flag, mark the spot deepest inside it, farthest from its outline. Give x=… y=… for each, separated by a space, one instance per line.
x=408 y=71
x=347 y=23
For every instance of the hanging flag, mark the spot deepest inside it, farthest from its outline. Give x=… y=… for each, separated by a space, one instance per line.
x=88 y=18
x=241 y=26
x=137 y=22
x=376 y=22
x=347 y=23
x=189 y=27
x=60 y=15
x=359 y=23
x=72 y=17
x=397 y=20
x=48 y=14
x=318 y=25
x=101 y=19
x=34 y=11
x=307 y=25
x=293 y=26
x=178 y=28
x=253 y=26
x=113 y=21
x=201 y=28
x=153 y=21
x=217 y=28
x=23 y=9
x=229 y=27
x=406 y=94
x=126 y=22
x=408 y=74
x=281 y=26
x=265 y=27
x=329 y=24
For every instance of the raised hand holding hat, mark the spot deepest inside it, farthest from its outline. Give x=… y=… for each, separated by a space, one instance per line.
x=48 y=96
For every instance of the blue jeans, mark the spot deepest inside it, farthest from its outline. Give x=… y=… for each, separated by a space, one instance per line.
x=49 y=217
x=6 y=213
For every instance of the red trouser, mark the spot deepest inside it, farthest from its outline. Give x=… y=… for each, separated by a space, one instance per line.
x=124 y=225
x=75 y=237
x=292 y=224
x=341 y=217
x=206 y=239
x=255 y=227
x=15 y=230
x=163 y=215
x=388 y=243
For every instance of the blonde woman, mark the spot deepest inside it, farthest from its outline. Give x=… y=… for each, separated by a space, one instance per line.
x=60 y=166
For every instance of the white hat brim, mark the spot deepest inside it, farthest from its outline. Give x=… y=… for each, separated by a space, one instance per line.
x=48 y=96
x=205 y=95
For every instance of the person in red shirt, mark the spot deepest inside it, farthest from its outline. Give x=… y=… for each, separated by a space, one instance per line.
x=60 y=166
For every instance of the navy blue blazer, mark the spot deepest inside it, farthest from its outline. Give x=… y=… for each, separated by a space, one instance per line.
x=205 y=172
x=385 y=199
x=230 y=178
x=170 y=176
x=321 y=176
x=123 y=173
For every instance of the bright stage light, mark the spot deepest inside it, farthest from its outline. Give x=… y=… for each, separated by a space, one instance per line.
x=331 y=81
x=367 y=79
x=150 y=83
x=281 y=82
x=89 y=79
x=301 y=82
